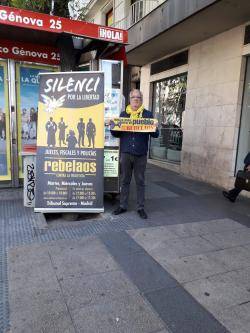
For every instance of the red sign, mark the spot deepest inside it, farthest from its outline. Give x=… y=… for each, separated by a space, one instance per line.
x=32 y=20
x=29 y=52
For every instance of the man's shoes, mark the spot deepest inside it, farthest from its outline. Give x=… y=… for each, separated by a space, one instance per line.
x=227 y=195
x=142 y=214
x=119 y=210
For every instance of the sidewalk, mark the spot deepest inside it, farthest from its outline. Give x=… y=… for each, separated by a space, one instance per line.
x=184 y=270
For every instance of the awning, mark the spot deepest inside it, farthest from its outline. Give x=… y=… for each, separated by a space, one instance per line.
x=29 y=28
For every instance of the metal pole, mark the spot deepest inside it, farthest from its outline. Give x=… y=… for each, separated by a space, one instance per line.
x=52 y=7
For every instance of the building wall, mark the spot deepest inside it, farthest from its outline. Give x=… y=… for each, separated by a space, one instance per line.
x=211 y=119
x=121 y=9
x=97 y=11
x=213 y=107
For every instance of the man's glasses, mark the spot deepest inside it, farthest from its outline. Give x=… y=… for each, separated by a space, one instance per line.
x=134 y=97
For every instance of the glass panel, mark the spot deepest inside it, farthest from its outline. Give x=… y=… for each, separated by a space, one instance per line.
x=244 y=138
x=168 y=104
x=27 y=105
x=113 y=100
x=5 y=172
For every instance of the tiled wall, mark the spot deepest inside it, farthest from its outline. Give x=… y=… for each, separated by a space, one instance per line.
x=213 y=106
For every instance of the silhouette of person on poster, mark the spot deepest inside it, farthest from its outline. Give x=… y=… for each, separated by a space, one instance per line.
x=51 y=129
x=71 y=139
x=81 y=132
x=91 y=132
x=62 y=127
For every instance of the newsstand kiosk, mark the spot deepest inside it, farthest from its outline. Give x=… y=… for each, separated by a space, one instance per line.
x=33 y=43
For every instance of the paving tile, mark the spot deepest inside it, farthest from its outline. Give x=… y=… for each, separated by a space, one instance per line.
x=182 y=313
x=193 y=267
x=79 y=260
x=158 y=191
x=236 y=318
x=97 y=288
x=204 y=227
x=149 y=238
x=49 y=322
x=39 y=311
x=32 y=254
x=87 y=244
x=230 y=238
x=28 y=275
x=120 y=243
x=233 y=258
x=240 y=277
x=178 y=190
x=145 y=272
x=177 y=248
x=247 y=247
x=126 y=315
x=51 y=301
x=218 y=292
x=141 y=268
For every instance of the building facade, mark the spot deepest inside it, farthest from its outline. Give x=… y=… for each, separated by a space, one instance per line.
x=191 y=60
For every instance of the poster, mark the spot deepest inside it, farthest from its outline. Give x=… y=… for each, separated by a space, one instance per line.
x=111 y=162
x=145 y=125
x=70 y=142
x=112 y=103
x=112 y=110
x=5 y=173
x=27 y=106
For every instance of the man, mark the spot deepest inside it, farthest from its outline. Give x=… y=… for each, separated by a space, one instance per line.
x=134 y=149
x=51 y=129
x=62 y=128
x=81 y=132
x=233 y=194
x=91 y=132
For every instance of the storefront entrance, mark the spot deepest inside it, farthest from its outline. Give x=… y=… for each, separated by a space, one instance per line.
x=32 y=43
x=19 y=88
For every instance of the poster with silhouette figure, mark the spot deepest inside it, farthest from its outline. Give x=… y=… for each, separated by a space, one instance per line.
x=70 y=142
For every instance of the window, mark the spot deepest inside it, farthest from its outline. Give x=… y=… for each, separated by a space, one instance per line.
x=175 y=60
x=136 y=11
x=247 y=35
x=109 y=18
x=169 y=97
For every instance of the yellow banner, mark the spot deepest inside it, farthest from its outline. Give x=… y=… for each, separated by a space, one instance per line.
x=144 y=125
x=70 y=119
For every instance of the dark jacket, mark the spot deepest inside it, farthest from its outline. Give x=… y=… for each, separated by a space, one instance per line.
x=247 y=160
x=135 y=143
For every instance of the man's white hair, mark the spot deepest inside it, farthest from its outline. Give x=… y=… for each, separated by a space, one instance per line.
x=137 y=91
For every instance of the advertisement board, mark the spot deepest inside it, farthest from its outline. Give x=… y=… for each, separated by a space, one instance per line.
x=27 y=105
x=111 y=162
x=70 y=142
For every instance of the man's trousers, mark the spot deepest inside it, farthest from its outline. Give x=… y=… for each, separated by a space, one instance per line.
x=129 y=164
